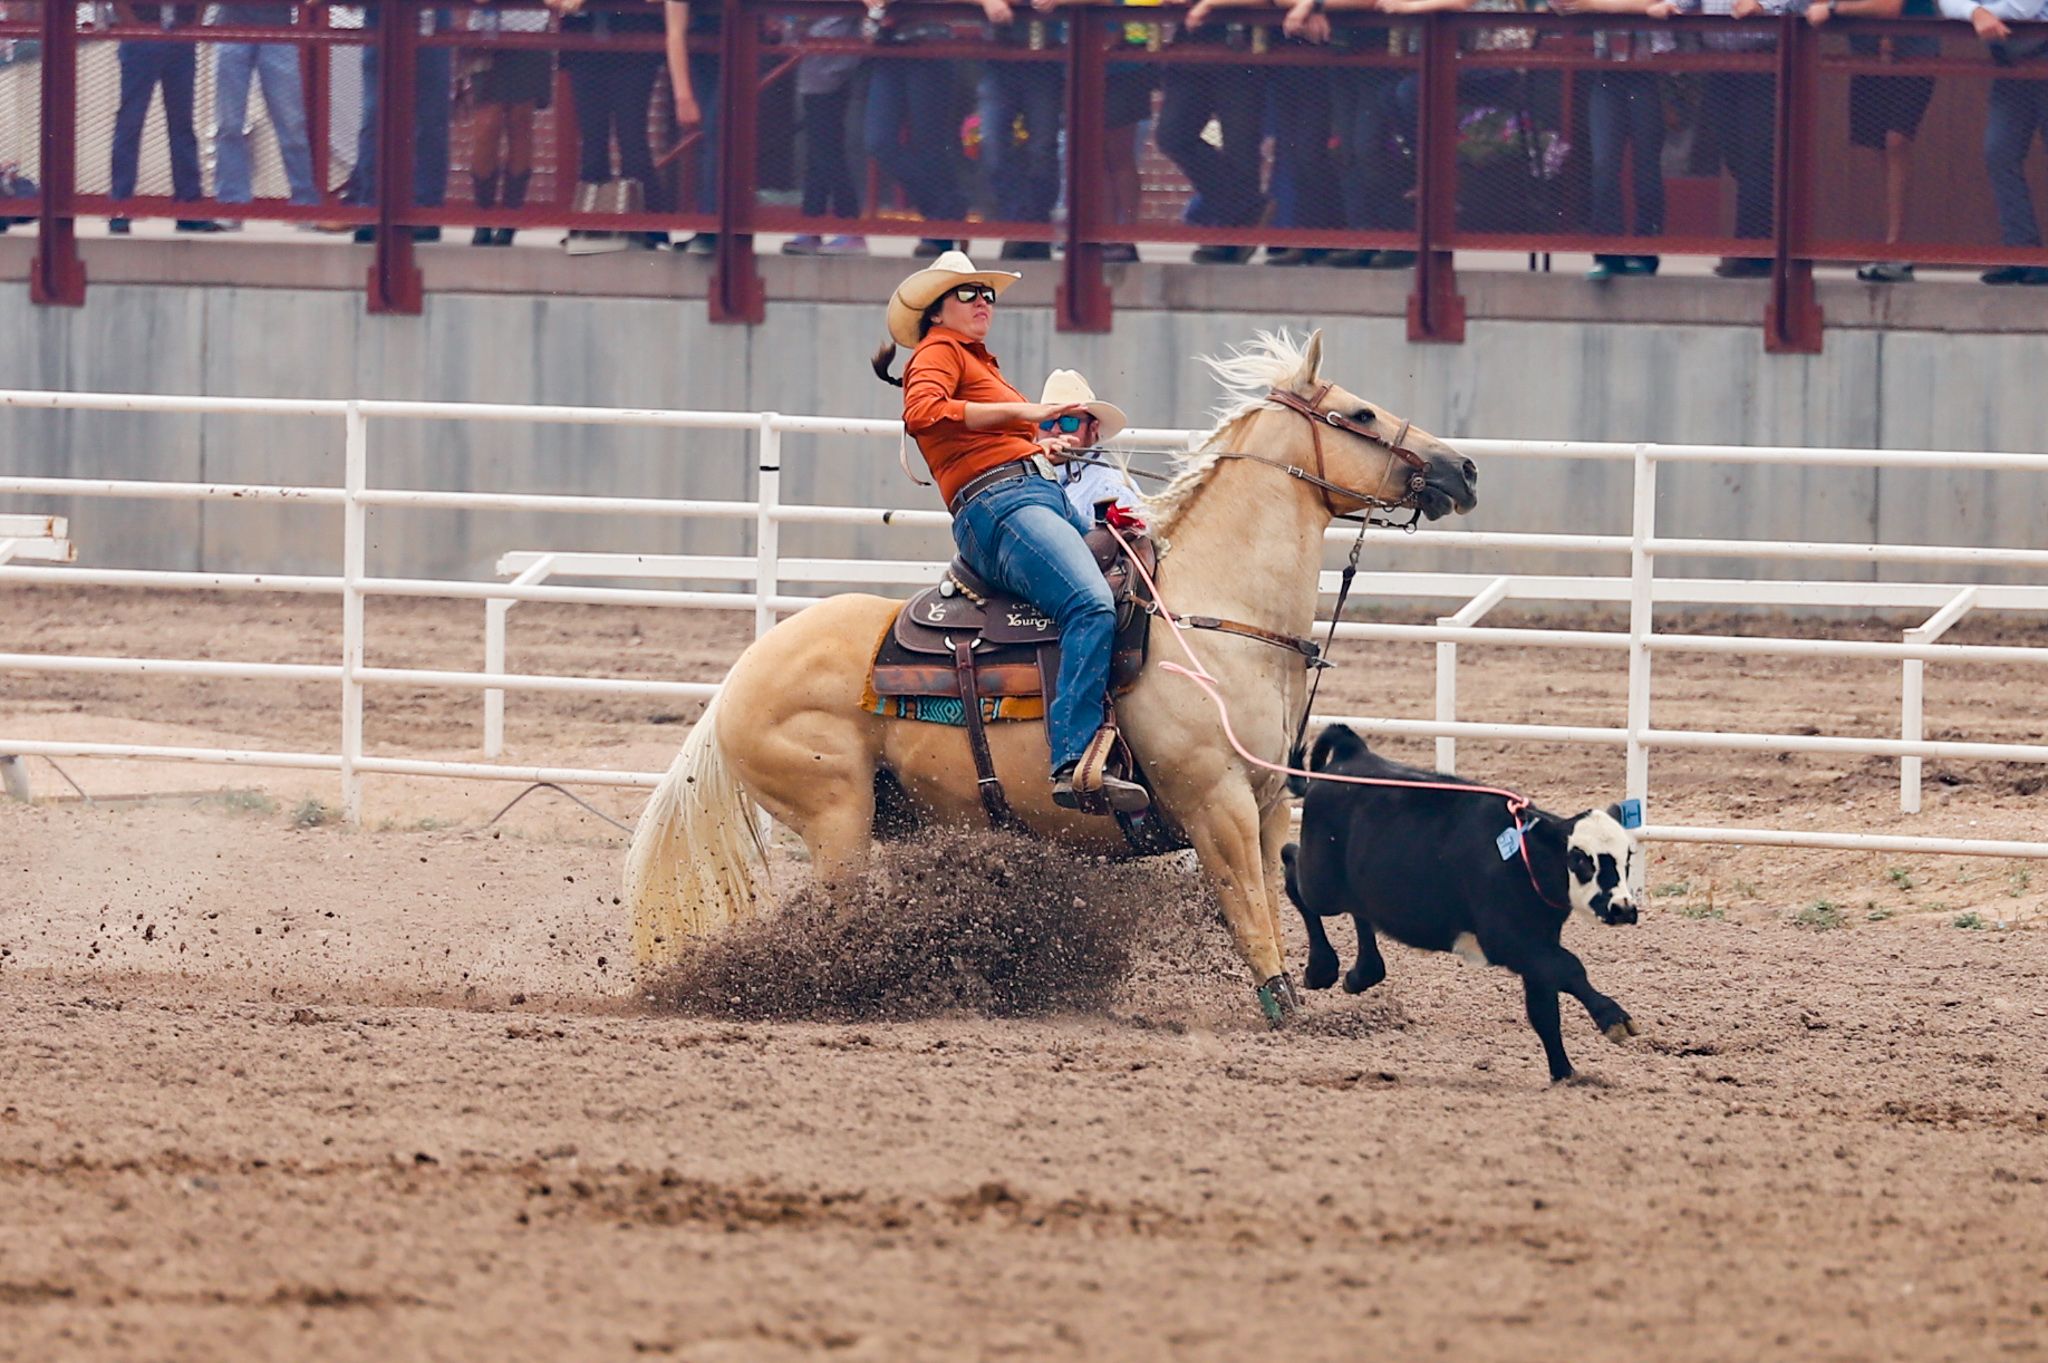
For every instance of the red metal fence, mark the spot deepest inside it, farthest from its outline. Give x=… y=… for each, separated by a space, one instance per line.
x=1085 y=131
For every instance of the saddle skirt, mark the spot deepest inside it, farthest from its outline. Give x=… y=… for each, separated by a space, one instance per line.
x=1014 y=645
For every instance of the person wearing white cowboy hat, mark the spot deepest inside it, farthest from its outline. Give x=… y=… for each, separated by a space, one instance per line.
x=992 y=452
x=1087 y=481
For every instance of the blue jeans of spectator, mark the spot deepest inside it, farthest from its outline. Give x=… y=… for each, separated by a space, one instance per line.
x=908 y=128
x=1374 y=171
x=1024 y=537
x=1305 y=192
x=1025 y=175
x=2019 y=109
x=145 y=65
x=1626 y=108
x=277 y=66
x=433 y=92
x=1227 y=181
x=1741 y=108
x=702 y=193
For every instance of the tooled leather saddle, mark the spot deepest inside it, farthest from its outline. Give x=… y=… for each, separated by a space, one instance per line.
x=964 y=637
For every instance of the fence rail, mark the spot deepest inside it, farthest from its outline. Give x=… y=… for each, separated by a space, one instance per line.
x=1413 y=137
x=762 y=573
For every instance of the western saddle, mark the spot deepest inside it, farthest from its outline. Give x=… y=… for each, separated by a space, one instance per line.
x=964 y=637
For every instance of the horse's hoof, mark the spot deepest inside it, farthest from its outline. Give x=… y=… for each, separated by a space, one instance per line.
x=1278 y=1001
x=1620 y=1032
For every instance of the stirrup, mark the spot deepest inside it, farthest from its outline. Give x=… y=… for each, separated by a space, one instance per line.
x=1090 y=786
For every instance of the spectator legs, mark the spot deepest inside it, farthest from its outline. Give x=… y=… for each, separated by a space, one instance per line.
x=1741 y=107
x=1304 y=188
x=433 y=98
x=1373 y=180
x=1623 y=109
x=139 y=62
x=612 y=91
x=433 y=89
x=912 y=96
x=702 y=191
x=1025 y=175
x=2018 y=109
x=181 y=80
x=828 y=176
x=1226 y=182
x=234 y=65
x=284 y=96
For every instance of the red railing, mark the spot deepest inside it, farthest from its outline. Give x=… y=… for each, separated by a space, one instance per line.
x=1422 y=136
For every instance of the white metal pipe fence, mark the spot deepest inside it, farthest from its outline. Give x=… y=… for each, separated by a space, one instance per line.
x=764 y=572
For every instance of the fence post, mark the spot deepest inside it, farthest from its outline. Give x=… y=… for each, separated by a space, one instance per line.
x=1641 y=573
x=1471 y=613
x=394 y=278
x=58 y=276
x=768 y=529
x=354 y=477
x=735 y=292
x=1792 y=319
x=1913 y=692
x=1082 y=301
x=1436 y=311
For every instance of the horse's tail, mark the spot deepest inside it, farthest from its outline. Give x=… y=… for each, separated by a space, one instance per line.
x=697 y=861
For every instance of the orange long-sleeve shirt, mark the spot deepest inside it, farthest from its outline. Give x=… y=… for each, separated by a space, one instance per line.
x=946 y=372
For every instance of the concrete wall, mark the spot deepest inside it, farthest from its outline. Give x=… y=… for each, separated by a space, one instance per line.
x=1623 y=380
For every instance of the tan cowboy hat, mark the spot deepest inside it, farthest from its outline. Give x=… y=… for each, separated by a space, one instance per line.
x=1066 y=386
x=922 y=289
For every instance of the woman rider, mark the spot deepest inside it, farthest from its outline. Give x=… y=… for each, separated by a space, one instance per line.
x=992 y=453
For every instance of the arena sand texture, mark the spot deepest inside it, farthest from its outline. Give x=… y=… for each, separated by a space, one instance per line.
x=275 y=1088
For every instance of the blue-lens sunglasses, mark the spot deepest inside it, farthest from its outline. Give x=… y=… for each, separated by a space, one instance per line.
x=1067 y=424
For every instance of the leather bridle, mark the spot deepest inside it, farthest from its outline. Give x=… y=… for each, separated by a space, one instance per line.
x=1311 y=410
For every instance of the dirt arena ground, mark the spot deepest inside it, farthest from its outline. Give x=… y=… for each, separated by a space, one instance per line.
x=274 y=1087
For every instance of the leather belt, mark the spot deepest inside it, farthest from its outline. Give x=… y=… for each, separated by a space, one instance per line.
x=981 y=482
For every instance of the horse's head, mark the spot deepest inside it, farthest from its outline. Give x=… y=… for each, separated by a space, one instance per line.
x=1362 y=447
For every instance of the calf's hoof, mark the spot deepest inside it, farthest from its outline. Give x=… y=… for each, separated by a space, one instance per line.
x=1278 y=1001
x=1322 y=970
x=1620 y=1032
x=1357 y=981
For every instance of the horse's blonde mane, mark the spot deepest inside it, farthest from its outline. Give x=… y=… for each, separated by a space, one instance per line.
x=1274 y=359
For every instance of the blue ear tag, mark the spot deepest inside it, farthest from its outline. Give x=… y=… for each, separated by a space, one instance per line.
x=1631 y=813
x=1509 y=841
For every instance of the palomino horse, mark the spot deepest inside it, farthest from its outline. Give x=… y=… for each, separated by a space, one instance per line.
x=1242 y=525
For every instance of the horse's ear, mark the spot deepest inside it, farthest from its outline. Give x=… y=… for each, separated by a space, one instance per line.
x=1312 y=357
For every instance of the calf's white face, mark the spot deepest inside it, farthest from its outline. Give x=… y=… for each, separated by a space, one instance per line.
x=1599 y=864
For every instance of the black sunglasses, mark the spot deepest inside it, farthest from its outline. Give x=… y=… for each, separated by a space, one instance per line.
x=969 y=293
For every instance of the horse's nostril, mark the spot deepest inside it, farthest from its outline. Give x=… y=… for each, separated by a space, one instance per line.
x=1471 y=472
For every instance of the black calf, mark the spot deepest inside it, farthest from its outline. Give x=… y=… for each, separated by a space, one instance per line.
x=1437 y=869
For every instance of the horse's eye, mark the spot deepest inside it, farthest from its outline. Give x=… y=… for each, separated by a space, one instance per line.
x=1364 y=416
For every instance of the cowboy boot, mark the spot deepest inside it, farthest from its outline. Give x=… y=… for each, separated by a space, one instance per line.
x=486 y=195
x=515 y=197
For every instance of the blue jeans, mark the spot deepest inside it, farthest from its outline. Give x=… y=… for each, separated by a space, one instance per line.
x=277 y=66
x=1626 y=107
x=913 y=96
x=702 y=195
x=1024 y=176
x=1022 y=536
x=433 y=92
x=2018 y=108
x=144 y=65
